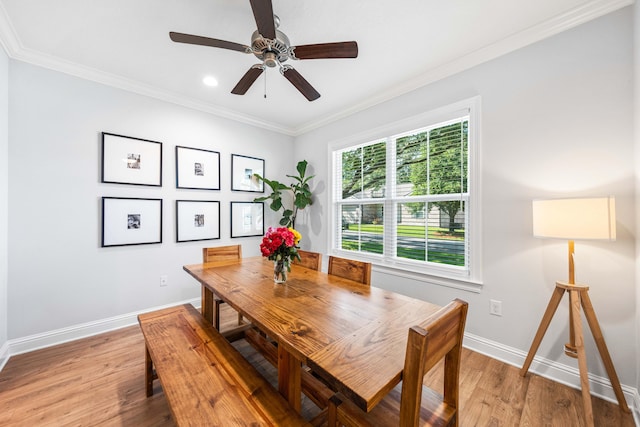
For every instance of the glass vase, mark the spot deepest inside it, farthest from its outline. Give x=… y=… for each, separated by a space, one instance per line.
x=280 y=268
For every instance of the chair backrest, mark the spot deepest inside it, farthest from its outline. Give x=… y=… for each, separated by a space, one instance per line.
x=439 y=337
x=312 y=260
x=222 y=253
x=358 y=271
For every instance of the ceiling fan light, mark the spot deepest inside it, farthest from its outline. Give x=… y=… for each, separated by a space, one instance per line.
x=270 y=59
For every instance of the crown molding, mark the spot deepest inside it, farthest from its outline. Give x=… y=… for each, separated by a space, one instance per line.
x=570 y=19
x=92 y=74
x=15 y=50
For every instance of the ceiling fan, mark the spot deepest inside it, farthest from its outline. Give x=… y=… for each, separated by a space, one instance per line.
x=272 y=47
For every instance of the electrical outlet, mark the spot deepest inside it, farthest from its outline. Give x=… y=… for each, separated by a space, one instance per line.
x=495 y=307
x=164 y=280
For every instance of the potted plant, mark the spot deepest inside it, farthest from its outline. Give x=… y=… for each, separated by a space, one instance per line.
x=301 y=194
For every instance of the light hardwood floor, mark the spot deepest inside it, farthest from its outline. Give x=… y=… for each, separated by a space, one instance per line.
x=100 y=381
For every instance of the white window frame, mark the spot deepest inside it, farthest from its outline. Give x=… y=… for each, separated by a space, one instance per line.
x=462 y=278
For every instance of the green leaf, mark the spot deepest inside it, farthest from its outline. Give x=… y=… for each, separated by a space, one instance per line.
x=301 y=201
x=306 y=180
x=284 y=221
x=276 y=205
x=302 y=168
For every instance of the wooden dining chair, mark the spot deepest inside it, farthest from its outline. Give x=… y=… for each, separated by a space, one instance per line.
x=439 y=337
x=358 y=271
x=311 y=260
x=222 y=253
x=219 y=253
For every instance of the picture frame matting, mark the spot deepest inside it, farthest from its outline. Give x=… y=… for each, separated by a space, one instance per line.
x=131 y=221
x=197 y=169
x=129 y=160
x=243 y=170
x=197 y=220
x=247 y=219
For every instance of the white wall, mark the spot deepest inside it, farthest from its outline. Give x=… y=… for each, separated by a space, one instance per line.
x=4 y=188
x=59 y=275
x=556 y=121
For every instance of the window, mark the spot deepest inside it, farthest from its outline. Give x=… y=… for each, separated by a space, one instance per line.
x=407 y=200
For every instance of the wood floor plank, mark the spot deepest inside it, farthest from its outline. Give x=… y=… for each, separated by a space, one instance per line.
x=95 y=381
x=99 y=381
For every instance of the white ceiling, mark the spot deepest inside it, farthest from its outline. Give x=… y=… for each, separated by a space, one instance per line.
x=403 y=44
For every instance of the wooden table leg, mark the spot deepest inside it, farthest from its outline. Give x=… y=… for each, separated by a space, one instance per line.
x=207 y=305
x=148 y=372
x=289 y=378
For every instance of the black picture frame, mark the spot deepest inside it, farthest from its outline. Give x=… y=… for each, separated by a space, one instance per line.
x=131 y=161
x=197 y=220
x=247 y=219
x=130 y=221
x=197 y=168
x=243 y=169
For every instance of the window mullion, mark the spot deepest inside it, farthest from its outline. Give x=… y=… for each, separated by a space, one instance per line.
x=390 y=214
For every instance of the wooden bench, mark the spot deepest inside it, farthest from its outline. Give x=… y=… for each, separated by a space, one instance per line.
x=207 y=381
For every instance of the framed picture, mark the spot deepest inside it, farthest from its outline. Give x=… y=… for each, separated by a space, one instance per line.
x=127 y=160
x=131 y=221
x=247 y=219
x=243 y=169
x=197 y=220
x=197 y=169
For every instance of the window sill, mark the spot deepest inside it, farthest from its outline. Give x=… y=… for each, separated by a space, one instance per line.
x=450 y=282
x=444 y=278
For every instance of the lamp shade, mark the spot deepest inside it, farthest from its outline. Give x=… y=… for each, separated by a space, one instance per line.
x=575 y=219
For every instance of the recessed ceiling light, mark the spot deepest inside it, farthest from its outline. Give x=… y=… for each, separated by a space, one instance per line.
x=210 y=81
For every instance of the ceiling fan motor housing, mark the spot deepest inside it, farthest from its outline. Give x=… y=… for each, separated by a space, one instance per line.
x=270 y=51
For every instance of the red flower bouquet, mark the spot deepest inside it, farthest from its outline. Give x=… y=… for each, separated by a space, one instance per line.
x=280 y=245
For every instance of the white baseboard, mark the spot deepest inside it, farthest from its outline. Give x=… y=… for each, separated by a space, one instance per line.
x=564 y=374
x=4 y=354
x=636 y=408
x=60 y=336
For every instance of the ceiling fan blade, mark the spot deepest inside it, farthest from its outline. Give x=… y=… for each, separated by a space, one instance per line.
x=206 y=41
x=326 y=50
x=263 y=13
x=247 y=80
x=300 y=83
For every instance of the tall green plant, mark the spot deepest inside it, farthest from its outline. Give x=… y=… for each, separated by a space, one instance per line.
x=301 y=194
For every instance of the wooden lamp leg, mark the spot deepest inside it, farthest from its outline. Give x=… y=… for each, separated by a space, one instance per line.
x=576 y=320
x=578 y=296
x=590 y=314
x=556 y=297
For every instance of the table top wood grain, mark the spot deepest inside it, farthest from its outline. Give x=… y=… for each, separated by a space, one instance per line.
x=354 y=336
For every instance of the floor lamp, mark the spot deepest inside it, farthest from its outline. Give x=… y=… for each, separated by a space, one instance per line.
x=573 y=219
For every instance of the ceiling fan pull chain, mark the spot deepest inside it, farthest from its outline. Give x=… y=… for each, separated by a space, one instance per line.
x=265 y=85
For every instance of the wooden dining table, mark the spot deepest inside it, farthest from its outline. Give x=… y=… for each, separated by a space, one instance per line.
x=352 y=335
